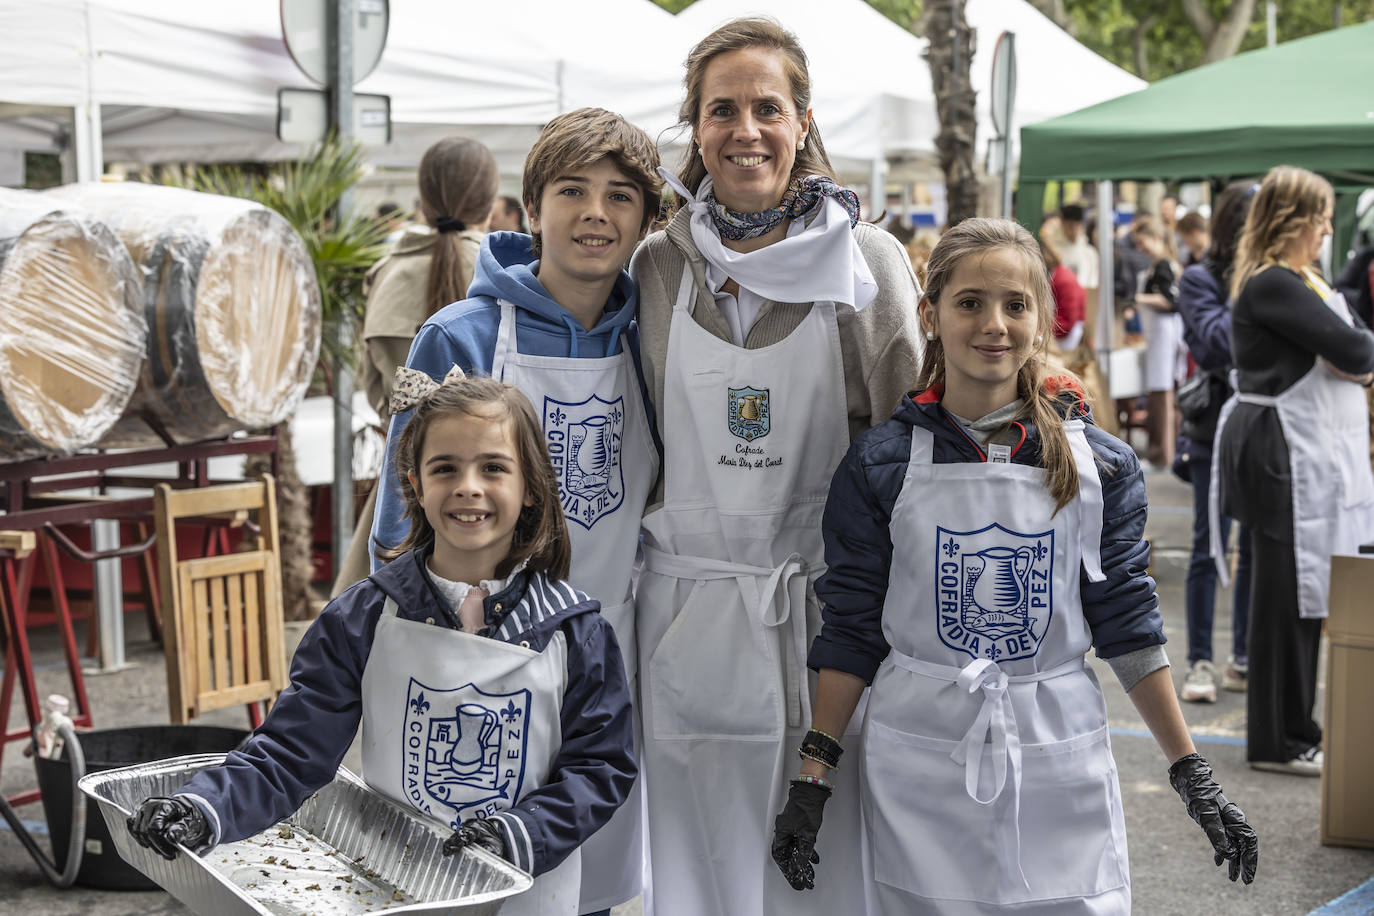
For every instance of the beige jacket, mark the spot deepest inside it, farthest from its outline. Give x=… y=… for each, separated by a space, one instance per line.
x=878 y=345
x=395 y=290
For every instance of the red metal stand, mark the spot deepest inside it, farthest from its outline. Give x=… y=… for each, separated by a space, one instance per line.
x=33 y=506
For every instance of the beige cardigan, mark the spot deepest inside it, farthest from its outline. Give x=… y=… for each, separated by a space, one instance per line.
x=878 y=345
x=395 y=289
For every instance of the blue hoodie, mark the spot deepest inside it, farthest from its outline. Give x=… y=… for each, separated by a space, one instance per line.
x=464 y=334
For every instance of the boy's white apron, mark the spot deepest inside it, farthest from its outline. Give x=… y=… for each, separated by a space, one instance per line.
x=727 y=612
x=466 y=727
x=1325 y=423
x=597 y=431
x=988 y=779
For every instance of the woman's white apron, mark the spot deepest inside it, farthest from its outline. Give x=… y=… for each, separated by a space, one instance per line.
x=461 y=726
x=988 y=779
x=598 y=436
x=727 y=611
x=1325 y=423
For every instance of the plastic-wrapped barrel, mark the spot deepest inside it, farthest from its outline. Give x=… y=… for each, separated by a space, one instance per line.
x=72 y=334
x=232 y=306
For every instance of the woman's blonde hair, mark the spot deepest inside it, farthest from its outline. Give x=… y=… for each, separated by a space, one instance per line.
x=739 y=35
x=541 y=533
x=1288 y=201
x=979 y=236
x=458 y=180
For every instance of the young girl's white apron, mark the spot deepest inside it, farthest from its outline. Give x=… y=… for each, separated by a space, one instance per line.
x=461 y=726
x=1325 y=423
x=727 y=612
x=988 y=779
x=597 y=432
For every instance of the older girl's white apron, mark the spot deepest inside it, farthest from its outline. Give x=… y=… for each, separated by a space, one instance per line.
x=1325 y=422
x=461 y=726
x=727 y=612
x=988 y=779
x=597 y=432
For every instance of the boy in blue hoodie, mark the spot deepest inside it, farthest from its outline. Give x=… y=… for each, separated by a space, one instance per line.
x=553 y=314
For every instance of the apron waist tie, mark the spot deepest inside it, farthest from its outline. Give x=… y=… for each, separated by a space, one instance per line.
x=1214 y=545
x=785 y=586
x=994 y=724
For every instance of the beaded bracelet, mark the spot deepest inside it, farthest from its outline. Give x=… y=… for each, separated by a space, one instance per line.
x=806 y=753
x=815 y=781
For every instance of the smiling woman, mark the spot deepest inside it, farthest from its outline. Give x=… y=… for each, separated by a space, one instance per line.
x=775 y=326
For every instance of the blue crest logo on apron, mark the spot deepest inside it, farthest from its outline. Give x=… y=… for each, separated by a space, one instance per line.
x=584 y=445
x=463 y=750
x=994 y=591
x=748 y=413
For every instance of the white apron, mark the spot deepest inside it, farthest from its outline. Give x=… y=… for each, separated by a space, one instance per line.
x=465 y=728
x=727 y=612
x=597 y=433
x=988 y=779
x=1325 y=422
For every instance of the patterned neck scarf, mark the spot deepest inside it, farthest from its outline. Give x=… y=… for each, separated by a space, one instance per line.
x=803 y=195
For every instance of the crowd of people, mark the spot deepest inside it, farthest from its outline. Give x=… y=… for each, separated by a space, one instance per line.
x=655 y=547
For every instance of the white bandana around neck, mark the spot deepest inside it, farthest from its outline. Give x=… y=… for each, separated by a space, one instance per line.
x=822 y=263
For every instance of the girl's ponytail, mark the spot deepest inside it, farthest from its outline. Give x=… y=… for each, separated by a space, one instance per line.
x=458 y=184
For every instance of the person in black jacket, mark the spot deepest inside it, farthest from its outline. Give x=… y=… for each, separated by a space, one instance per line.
x=1293 y=452
x=1205 y=308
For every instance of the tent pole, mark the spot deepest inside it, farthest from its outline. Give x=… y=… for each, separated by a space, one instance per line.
x=1106 y=302
x=340 y=16
x=86 y=141
x=877 y=188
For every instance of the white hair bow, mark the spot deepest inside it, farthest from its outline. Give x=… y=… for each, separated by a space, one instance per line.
x=411 y=386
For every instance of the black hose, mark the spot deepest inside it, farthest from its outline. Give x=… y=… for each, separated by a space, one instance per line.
x=76 y=845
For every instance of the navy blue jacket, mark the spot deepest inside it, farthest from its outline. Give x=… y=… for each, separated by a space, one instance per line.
x=1122 y=611
x=298 y=748
x=1204 y=306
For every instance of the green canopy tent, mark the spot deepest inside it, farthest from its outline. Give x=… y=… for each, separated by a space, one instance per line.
x=1307 y=102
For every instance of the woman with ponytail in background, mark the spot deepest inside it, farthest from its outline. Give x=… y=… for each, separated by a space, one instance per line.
x=430 y=267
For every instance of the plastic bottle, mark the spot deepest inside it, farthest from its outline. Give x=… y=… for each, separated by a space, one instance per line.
x=49 y=742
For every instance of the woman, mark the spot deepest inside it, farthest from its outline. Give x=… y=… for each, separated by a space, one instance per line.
x=1293 y=452
x=430 y=267
x=1204 y=306
x=1069 y=297
x=1158 y=291
x=774 y=327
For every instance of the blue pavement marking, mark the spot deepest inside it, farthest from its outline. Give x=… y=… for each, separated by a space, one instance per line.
x=1359 y=902
x=34 y=828
x=1197 y=739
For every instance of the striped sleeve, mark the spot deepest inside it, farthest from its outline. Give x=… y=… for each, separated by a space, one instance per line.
x=519 y=848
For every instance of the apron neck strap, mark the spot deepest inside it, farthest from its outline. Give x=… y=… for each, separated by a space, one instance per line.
x=1090 y=505
x=505 y=340
x=389 y=609
x=922 y=446
x=686 y=289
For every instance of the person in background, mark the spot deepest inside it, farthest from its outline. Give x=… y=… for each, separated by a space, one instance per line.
x=1292 y=455
x=1205 y=308
x=1193 y=233
x=1068 y=297
x=978 y=544
x=1077 y=253
x=775 y=325
x=1155 y=301
x=507 y=216
x=1168 y=219
x=430 y=266
x=1356 y=283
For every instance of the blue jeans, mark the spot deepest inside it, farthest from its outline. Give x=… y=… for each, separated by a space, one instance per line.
x=1200 y=594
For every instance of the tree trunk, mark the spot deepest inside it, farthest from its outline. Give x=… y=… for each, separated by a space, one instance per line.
x=1222 y=39
x=295 y=526
x=1140 y=46
x=1054 y=11
x=949 y=52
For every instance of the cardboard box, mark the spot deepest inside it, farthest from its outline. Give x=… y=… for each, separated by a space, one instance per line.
x=1347 y=817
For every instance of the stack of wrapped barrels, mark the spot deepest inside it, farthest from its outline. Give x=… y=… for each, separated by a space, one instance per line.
x=138 y=316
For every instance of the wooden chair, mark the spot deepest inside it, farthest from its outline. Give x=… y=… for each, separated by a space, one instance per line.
x=221 y=615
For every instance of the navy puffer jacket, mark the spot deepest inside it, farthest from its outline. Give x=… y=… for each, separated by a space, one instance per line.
x=1122 y=611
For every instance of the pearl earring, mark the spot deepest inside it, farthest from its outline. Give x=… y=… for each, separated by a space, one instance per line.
x=930 y=335
x=801 y=144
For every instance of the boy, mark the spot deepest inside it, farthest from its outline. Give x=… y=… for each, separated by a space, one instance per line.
x=553 y=314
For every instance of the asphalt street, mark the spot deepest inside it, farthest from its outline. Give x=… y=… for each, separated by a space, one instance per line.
x=1171 y=863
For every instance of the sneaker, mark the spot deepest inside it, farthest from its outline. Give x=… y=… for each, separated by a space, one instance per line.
x=1200 y=686
x=1235 y=677
x=1308 y=763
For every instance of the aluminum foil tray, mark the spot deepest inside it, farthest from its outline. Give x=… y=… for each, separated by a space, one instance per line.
x=347 y=851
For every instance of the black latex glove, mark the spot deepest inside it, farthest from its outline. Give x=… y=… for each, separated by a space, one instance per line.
x=794 y=834
x=479 y=832
x=160 y=824
x=1233 y=840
